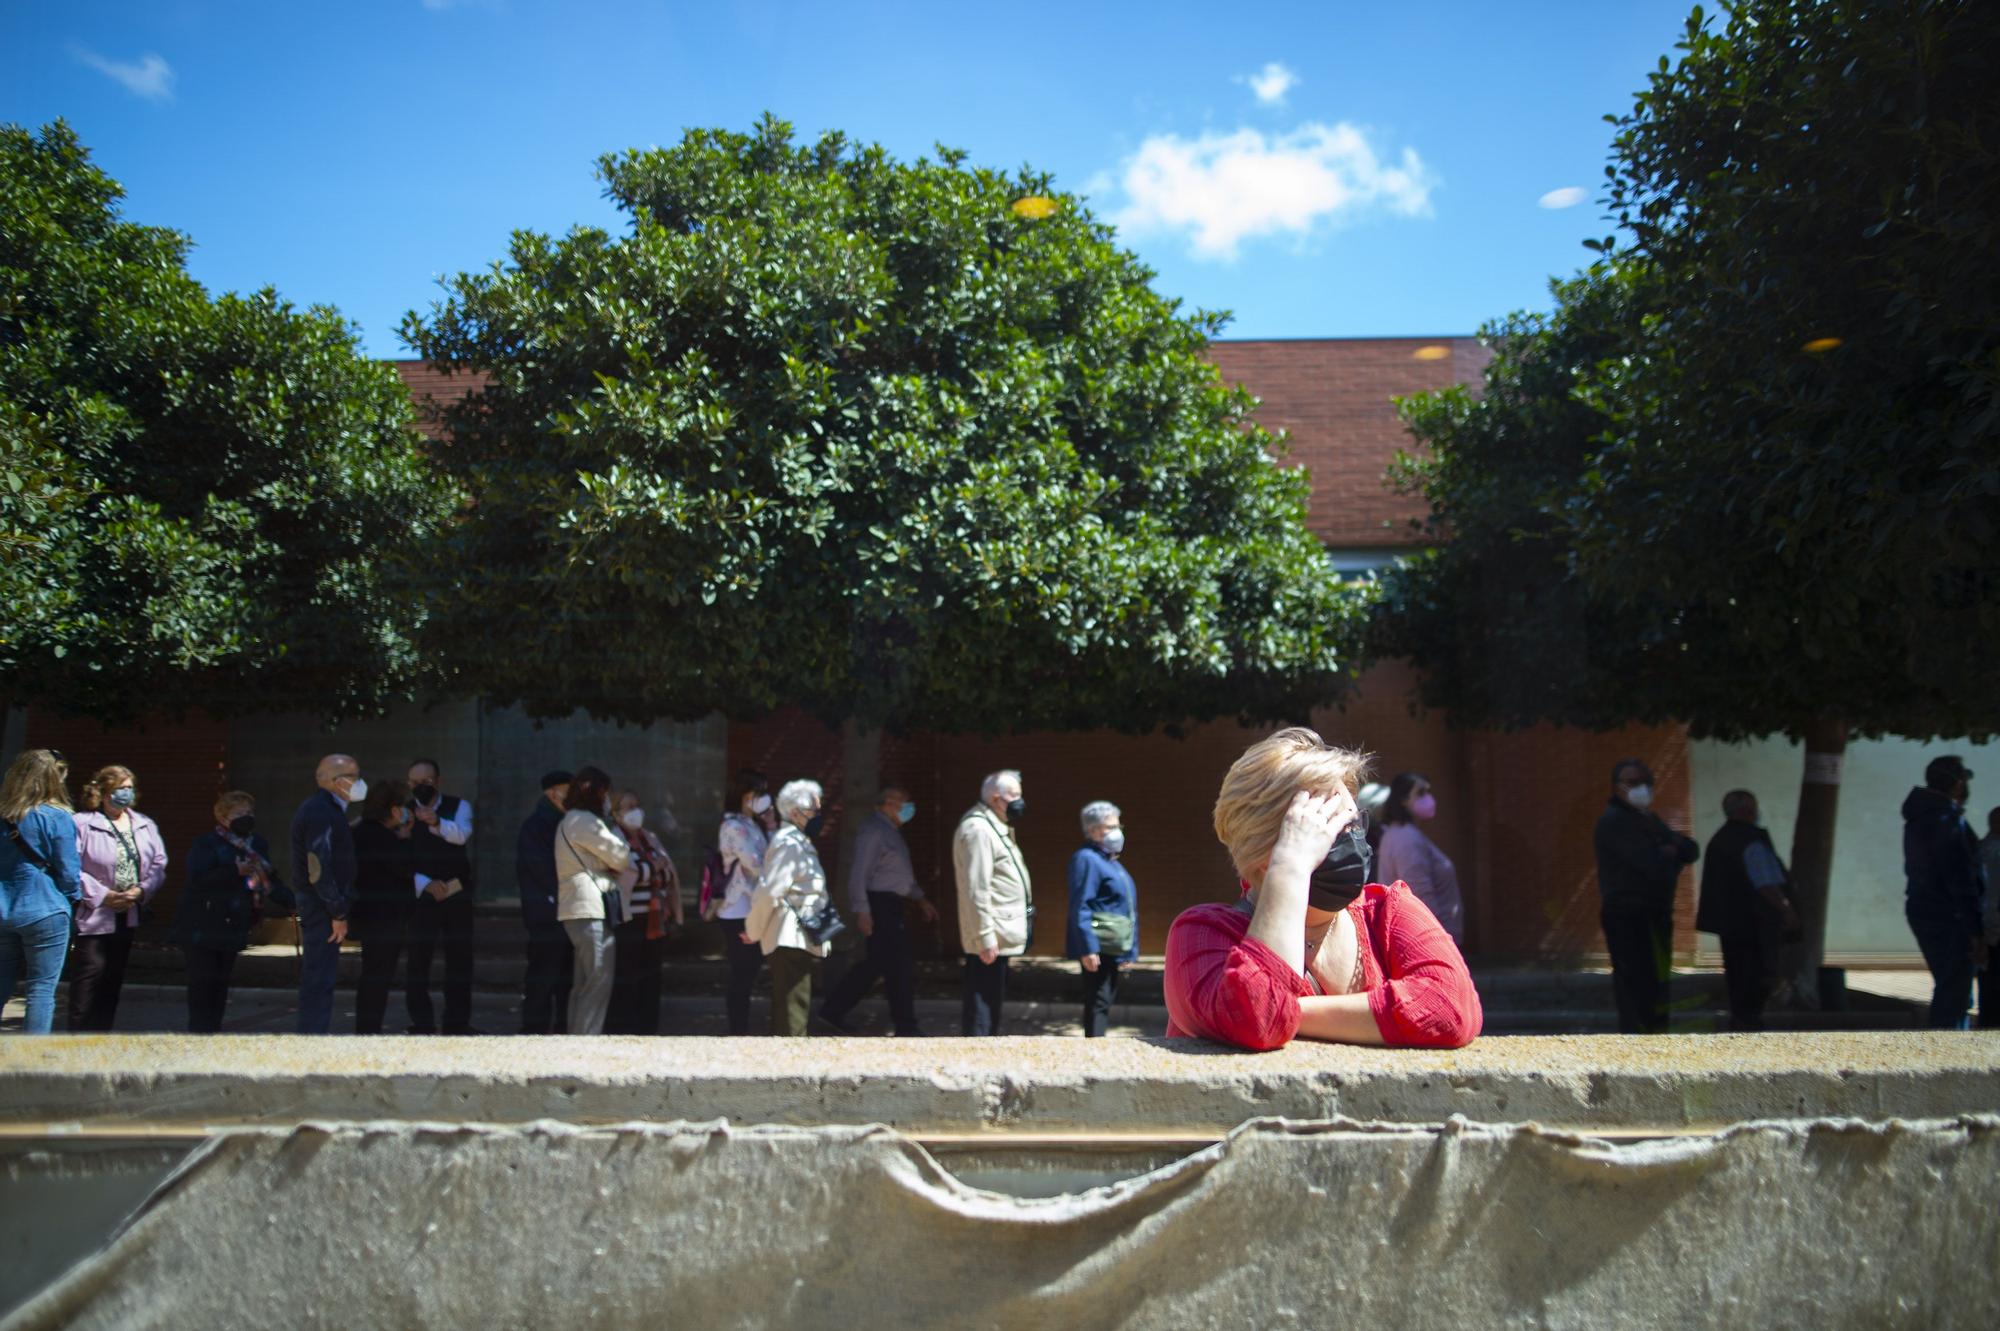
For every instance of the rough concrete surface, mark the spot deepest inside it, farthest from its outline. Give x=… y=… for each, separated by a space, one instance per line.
x=1018 y=1084
x=1824 y=1224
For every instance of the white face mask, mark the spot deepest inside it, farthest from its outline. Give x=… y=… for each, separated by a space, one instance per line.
x=633 y=818
x=357 y=792
x=1114 y=841
x=1640 y=797
x=762 y=804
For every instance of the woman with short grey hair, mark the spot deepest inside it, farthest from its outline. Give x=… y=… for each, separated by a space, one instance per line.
x=1103 y=912
x=791 y=888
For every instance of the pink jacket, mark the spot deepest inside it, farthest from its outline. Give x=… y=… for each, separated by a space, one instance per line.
x=97 y=847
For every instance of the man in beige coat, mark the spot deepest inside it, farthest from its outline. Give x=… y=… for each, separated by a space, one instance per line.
x=995 y=904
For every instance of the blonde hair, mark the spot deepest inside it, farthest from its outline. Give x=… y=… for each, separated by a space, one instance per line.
x=107 y=779
x=1261 y=784
x=232 y=799
x=35 y=778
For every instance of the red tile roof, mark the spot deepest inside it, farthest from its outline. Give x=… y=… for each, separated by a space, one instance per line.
x=1331 y=396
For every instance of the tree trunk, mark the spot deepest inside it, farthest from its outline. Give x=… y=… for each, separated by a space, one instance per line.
x=1812 y=851
x=860 y=782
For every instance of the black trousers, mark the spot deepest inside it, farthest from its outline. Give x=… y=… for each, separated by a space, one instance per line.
x=887 y=959
x=443 y=924
x=985 y=995
x=208 y=970
x=745 y=959
x=1640 y=940
x=635 y=981
x=1746 y=974
x=1100 y=991
x=96 y=975
x=551 y=969
x=381 y=945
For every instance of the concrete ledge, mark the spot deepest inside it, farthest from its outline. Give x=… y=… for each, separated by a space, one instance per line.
x=1022 y=1085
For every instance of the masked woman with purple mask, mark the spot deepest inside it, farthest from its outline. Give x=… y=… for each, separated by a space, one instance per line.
x=1405 y=855
x=1312 y=947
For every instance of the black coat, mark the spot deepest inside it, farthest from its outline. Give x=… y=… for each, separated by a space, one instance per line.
x=535 y=866
x=385 y=878
x=1945 y=879
x=216 y=909
x=1730 y=907
x=1639 y=858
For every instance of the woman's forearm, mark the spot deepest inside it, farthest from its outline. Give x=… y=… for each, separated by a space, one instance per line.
x=1279 y=920
x=1343 y=1018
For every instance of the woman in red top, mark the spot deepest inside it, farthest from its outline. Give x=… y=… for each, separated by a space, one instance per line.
x=1311 y=948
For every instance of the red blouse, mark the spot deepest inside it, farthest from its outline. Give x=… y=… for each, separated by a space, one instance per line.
x=1224 y=986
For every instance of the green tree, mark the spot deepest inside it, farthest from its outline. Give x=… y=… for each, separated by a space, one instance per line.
x=1754 y=455
x=908 y=444
x=208 y=502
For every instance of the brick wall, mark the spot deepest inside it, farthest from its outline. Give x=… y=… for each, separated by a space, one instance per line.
x=177 y=767
x=1333 y=397
x=1515 y=811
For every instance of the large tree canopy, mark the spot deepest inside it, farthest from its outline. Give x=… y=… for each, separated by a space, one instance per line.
x=1747 y=474
x=206 y=500
x=907 y=443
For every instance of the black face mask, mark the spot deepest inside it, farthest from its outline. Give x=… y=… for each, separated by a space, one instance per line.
x=242 y=825
x=814 y=824
x=425 y=793
x=1339 y=878
x=1016 y=807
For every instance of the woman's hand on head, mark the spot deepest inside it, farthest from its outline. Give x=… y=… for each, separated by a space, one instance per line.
x=1311 y=824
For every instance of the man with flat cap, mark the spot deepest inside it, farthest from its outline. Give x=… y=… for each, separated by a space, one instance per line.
x=1946 y=887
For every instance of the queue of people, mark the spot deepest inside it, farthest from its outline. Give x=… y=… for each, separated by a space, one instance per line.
x=1379 y=917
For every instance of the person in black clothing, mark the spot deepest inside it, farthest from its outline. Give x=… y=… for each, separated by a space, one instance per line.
x=1639 y=861
x=551 y=963
x=1946 y=887
x=385 y=870
x=230 y=884
x=1746 y=904
x=443 y=913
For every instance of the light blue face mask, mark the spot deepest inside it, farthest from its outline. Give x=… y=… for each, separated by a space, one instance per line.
x=124 y=797
x=907 y=812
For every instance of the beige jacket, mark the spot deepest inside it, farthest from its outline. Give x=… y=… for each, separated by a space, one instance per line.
x=591 y=859
x=993 y=892
x=792 y=884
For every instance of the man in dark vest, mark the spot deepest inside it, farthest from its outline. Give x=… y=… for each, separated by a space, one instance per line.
x=1746 y=903
x=1639 y=861
x=1947 y=887
x=443 y=914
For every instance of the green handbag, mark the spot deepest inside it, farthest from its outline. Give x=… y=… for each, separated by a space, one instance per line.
x=1114 y=932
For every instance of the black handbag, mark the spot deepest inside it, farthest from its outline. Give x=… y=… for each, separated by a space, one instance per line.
x=823 y=924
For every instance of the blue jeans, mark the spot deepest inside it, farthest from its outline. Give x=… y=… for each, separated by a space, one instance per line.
x=1947 y=947
x=35 y=952
x=319 y=968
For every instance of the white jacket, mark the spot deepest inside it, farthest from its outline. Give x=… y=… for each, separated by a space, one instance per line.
x=993 y=889
x=591 y=859
x=792 y=884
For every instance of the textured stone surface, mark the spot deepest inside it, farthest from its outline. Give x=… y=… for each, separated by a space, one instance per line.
x=1823 y=1224
x=1042 y=1085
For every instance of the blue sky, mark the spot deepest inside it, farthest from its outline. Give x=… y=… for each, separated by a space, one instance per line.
x=1322 y=170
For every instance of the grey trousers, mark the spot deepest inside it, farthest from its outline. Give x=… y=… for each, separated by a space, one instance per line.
x=590 y=993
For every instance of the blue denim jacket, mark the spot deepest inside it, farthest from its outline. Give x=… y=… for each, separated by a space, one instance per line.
x=28 y=894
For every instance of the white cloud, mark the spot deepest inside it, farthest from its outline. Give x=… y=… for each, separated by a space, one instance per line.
x=1271 y=83
x=1569 y=196
x=1224 y=189
x=149 y=77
